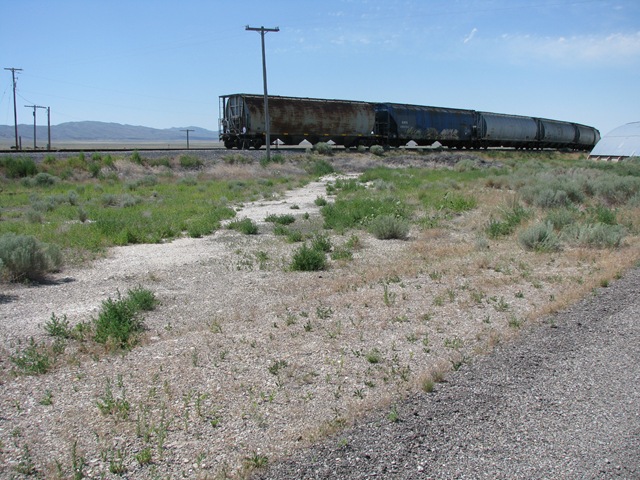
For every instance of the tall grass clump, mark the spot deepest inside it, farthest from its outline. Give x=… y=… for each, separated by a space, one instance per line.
x=284 y=219
x=616 y=190
x=22 y=257
x=456 y=203
x=320 y=201
x=18 y=167
x=511 y=217
x=238 y=158
x=347 y=185
x=603 y=214
x=136 y=158
x=598 y=235
x=245 y=225
x=190 y=163
x=540 y=238
x=359 y=210
x=388 y=227
x=560 y=218
x=319 y=168
x=277 y=158
x=466 y=165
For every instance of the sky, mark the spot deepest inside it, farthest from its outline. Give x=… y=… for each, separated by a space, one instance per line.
x=164 y=64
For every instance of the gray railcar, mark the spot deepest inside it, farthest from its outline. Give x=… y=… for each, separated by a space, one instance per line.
x=553 y=134
x=498 y=130
x=587 y=136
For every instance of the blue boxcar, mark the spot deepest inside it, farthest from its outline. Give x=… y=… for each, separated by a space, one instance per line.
x=424 y=125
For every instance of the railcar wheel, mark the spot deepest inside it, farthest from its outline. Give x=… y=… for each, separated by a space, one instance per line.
x=257 y=143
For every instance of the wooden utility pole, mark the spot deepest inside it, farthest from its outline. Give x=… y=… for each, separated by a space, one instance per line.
x=15 y=111
x=187 y=130
x=262 y=31
x=34 y=124
x=48 y=128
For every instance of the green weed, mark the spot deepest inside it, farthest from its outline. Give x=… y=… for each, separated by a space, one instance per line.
x=33 y=360
x=190 y=163
x=284 y=219
x=319 y=168
x=276 y=366
x=109 y=404
x=144 y=456
x=307 y=259
x=374 y=356
x=58 y=327
x=245 y=225
x=118 y=322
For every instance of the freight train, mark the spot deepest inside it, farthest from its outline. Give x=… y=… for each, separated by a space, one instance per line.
x=353 y=123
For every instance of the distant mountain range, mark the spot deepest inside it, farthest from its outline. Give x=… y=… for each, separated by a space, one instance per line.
x=102 y=131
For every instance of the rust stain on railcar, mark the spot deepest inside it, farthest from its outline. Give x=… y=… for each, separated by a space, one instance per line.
x=295 y=117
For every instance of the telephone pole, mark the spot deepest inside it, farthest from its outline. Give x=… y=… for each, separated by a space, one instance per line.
x=48 y=128
x=187 y=130
x=34 y=123
x=262 y=31
x=15 y=111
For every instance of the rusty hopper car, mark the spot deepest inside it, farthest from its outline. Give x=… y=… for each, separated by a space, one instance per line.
x=294 y=120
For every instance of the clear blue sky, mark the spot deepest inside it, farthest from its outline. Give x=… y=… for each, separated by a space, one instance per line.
x=164 y=63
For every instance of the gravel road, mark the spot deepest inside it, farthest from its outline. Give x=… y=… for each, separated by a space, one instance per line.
x=561 y=402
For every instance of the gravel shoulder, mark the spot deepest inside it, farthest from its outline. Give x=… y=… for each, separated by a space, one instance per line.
x=561 y=401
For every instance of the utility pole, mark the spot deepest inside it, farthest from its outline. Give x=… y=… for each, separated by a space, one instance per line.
x=48 y=128
x=15 y=111
x=262 y=31
x=187 y=130
x=34 y=123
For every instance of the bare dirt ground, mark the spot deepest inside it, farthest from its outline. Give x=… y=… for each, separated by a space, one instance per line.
x=245 y=362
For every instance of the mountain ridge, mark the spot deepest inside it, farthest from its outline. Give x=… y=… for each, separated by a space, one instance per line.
x=104 y=131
